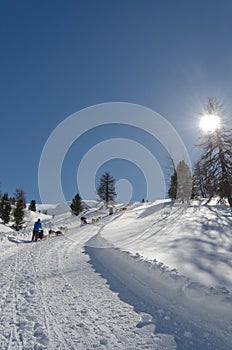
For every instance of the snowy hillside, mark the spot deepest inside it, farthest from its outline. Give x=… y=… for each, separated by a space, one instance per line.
x=150 y=276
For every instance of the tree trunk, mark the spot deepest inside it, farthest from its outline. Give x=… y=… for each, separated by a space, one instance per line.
x=230 y=200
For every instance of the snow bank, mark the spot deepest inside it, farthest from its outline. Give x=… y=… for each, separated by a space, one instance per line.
x=4 y=232
x=205 y=311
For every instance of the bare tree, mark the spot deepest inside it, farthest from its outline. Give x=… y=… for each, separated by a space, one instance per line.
x=202 y=186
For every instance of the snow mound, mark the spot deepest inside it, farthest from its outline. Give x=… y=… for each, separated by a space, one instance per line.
x=204 y=311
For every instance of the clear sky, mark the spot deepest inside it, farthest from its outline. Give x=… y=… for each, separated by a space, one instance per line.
x=58 y=57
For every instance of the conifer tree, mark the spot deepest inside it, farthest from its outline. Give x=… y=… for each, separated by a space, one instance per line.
x=106 y=188
x=32 y=205
x=216 y=160
x=18 y=212
x=5 y=208
x=173 y=186
x=76 y=205
x=184 y=182
x=181 y=183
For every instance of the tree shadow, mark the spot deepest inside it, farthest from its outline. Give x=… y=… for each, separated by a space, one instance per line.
x=153 y=209
x=187 y=334
x=212 y=246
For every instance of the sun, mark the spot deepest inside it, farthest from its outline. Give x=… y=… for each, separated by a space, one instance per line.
x=210 y=122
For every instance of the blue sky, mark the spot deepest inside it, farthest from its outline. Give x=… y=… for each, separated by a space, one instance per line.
x=58 y=57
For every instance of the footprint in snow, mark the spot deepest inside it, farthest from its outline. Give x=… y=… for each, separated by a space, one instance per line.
x=103 y=341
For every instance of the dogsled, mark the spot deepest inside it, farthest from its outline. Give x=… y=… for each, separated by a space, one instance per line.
x=38 y=232
x=37 y=235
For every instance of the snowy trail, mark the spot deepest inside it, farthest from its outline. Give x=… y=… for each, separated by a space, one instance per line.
x=108 y=285
x=52 y=298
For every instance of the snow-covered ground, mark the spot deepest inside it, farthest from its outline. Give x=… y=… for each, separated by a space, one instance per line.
x=150 y=276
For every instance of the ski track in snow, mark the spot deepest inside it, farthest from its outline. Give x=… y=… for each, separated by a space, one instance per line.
x=78 y=291
x=51 y=298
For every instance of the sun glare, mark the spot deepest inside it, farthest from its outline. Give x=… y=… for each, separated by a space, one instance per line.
x=209 y=122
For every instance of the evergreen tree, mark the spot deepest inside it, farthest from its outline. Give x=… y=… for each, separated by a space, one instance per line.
x=184 y=182
x=106 y=188
x=32 y=205
x=76 y=205
x=5 y=208
x=18 y=212
x=216 y=160
x=181 y=183
x=12 y=201
x=173 y=186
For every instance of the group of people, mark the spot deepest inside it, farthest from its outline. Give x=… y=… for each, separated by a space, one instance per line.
x=37 y=232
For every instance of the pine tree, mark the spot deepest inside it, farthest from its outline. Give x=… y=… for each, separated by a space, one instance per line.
x=18 y=212
x=106 y=188
x=181 y=183
x=32 y=205
x=173 y=186
x=5 y=208
x=216 y=160
x=184 y=182
x=76 y=205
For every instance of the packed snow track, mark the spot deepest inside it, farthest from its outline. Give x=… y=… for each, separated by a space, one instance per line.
x=154 y=277
x=51 y=298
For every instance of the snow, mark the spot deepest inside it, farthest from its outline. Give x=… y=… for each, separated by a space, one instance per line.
x=150 y=276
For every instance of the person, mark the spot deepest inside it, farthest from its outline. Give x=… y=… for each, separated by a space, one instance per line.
x=83 y=220
x=37 y=231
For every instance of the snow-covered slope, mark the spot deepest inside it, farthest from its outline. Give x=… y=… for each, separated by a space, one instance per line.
x=196 y=240
x=151 y=276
